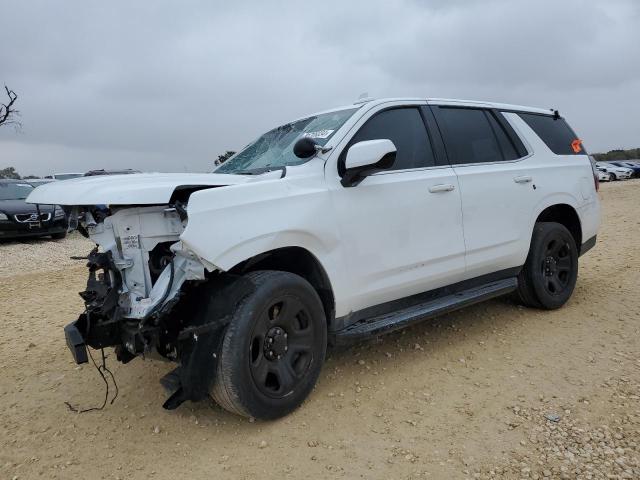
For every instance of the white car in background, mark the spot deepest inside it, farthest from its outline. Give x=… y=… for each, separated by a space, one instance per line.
x=617 y=173
x=64 y=176
x=603 y=175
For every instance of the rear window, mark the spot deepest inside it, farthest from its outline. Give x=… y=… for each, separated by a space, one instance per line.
x=555 y=133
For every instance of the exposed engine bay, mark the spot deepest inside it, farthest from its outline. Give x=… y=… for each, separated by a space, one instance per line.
x=138 y=274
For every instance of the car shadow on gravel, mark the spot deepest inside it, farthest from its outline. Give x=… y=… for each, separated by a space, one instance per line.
x=470 y=325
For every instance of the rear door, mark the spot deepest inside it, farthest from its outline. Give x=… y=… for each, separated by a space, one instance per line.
x=497 y=186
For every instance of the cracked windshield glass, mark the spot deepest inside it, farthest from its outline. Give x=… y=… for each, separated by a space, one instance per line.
x=274 y=149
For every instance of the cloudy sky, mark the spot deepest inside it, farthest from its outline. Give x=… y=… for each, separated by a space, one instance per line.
x=167 y=86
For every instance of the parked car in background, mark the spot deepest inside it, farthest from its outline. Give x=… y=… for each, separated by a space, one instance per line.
x=336 y=227
x=21 y=219
x=64 y=176
x=633 y=166
x=102 y=171
x=39 y=181
x=617 y=173
x=603 y=175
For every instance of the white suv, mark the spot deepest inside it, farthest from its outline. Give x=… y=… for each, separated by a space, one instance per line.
x=333 y=228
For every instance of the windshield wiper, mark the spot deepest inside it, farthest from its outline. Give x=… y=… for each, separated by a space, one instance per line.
x=261 y=171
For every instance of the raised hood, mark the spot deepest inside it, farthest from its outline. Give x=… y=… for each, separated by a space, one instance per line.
x=134 y=189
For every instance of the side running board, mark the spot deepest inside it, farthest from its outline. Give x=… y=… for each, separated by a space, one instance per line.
x=405 y=317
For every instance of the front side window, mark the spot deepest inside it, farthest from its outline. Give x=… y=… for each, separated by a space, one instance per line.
x=406 y=129
x=15 y=191
x=274 y=149
x=468 y=136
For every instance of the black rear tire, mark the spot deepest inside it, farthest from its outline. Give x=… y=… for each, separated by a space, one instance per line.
x=550 y=272
x=273 y=348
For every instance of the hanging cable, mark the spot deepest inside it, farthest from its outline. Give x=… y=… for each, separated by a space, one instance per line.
x=102 y=369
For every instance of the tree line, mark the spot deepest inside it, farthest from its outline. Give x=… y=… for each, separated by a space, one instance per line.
x=619 y=154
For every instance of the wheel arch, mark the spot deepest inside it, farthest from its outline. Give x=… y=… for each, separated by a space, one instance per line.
x=566 y=215
x=299 y=261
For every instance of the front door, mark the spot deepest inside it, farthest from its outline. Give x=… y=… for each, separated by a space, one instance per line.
x=401 y=228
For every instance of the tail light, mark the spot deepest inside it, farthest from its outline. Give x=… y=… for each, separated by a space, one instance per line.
x=594 y=169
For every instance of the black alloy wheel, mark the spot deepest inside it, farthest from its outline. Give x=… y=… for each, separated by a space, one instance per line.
x=556 y=265
x=281 y=347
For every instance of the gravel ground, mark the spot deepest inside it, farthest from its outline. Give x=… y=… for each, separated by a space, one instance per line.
x=493 y=391
x=42 y=255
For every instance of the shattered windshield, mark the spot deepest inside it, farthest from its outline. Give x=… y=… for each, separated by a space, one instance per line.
x=274 y=149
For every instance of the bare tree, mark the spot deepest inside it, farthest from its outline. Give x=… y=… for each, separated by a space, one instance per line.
x=8 y=113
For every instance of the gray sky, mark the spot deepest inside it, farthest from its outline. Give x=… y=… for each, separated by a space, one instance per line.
x=166 y=86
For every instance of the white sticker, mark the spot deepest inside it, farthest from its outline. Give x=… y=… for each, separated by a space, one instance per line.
x=318 y=134
x=23 y=184
x=130 y=241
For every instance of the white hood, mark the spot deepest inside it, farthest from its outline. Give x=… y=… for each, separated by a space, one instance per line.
x=133 y=189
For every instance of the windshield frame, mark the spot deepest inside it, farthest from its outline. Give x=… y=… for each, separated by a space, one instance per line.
x=324 y=141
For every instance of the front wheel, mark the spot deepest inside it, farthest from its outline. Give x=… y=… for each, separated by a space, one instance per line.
x=550 y=272
x=612 y=177
x=273 y=348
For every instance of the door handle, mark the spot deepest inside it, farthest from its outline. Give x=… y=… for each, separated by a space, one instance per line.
x=443 y=187
x=523 y=179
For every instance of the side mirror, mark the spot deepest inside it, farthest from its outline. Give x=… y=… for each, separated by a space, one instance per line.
x=366 y=158
x=305 y=148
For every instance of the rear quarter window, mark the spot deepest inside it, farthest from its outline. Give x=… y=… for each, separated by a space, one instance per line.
x=555 y=133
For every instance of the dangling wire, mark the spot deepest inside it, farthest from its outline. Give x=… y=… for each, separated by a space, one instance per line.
x=101 y=370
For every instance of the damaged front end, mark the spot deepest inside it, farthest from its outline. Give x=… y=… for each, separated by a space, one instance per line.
x=141 y=296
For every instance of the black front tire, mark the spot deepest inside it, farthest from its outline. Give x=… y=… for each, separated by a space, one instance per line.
x=550 y=272
x=273 y=348
x=612 y=177
x=58 y=236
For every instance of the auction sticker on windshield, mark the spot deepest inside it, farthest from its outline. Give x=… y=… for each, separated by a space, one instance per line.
x=319 y=134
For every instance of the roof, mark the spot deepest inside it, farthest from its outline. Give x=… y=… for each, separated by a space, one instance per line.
x=487 y=104
x=441 y=101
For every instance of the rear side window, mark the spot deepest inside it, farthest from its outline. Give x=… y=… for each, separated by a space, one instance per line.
x=506 y=144
x=555 y=133
x=406 y=129
x=468 y=136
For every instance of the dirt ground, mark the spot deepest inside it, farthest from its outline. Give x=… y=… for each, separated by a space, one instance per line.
x=492 y=391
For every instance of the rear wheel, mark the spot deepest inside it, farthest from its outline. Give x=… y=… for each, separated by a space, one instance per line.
x=273 y=348
x=549 y=275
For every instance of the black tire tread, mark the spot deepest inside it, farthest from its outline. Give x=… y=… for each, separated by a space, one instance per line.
x=223 y=391
x=526 y=288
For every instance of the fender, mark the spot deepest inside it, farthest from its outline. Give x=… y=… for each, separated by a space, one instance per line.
x=548 y=201
x=229 y=225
